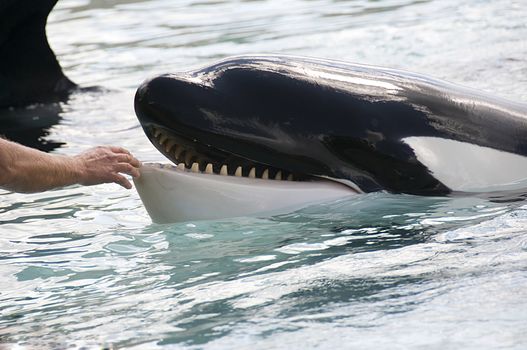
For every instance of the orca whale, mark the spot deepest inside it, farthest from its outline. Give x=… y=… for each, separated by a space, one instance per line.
x=364 y=128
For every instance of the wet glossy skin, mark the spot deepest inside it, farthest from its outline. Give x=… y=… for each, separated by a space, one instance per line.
x=325 y=118
x=29 y=71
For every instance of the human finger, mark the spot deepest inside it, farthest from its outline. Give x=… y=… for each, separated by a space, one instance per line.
x=118 y=149
x=128 y=158
x=121 y=180
x=127 y=169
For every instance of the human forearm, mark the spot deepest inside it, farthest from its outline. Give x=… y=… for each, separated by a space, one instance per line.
x=28 y=170
x=23 y=169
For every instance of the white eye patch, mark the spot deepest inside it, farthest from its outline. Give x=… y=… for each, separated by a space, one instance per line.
x=470 y=168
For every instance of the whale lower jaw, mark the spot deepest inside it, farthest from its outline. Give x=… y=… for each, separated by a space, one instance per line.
x=173 y=195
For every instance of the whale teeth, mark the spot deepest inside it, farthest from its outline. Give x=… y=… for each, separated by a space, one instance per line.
x=177 y=151
x=181 y=157
x=170 y=143
x=163 y=138
x=188 y=158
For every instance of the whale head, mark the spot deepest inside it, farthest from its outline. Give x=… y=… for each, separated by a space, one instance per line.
x=281 y=119
x=363 y=128
x=265 y=130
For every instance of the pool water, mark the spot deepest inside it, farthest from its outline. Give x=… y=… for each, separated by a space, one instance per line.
x=85 y=268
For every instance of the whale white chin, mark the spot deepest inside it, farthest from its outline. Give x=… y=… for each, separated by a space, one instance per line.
x=172 y=195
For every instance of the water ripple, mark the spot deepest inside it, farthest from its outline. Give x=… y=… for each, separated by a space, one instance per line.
x=84 y=267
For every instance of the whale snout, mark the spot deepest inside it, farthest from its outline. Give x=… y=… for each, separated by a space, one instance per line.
x=175 y=102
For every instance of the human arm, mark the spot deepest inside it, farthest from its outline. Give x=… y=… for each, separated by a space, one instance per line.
x=23 y=169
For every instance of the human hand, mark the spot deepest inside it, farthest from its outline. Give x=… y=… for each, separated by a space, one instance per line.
x=104 y=164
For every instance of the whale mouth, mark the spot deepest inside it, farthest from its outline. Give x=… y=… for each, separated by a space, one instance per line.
x=193 y=156
x=207 y=183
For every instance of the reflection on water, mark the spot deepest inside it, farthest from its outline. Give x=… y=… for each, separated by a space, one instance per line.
x=30 y=125
x=85 y=267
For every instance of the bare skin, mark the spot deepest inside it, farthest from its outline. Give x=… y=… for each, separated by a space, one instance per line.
x=23 y=169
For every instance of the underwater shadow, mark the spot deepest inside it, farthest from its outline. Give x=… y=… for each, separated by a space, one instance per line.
x=380 y=221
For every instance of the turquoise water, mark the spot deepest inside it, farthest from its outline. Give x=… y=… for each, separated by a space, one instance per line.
x=84 y=267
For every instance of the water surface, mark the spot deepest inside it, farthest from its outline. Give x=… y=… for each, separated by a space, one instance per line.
x=84 y=267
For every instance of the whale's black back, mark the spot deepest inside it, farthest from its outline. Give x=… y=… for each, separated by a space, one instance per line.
x=29 y=71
